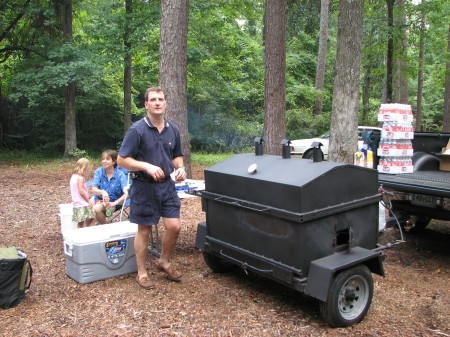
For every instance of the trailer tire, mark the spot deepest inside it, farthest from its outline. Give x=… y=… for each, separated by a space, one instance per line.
x=349 y=297
x=218 y=265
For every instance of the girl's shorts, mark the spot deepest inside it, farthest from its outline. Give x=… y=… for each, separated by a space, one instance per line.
x=82 y=213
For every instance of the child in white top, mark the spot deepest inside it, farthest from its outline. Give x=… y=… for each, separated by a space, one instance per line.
x=82 y=206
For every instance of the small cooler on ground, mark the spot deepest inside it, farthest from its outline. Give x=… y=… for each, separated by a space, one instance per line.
x=99 y=252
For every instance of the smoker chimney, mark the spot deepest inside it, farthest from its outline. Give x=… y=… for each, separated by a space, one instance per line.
x=286 y=149
x=259 y=146
x=317 y=152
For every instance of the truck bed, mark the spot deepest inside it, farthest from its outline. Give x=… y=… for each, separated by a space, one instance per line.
x=435 y=183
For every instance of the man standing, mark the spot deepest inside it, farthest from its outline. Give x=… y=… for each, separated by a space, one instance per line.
x=152 y=150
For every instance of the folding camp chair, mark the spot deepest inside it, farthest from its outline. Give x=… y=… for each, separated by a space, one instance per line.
x=154 y=245
x=121 y=212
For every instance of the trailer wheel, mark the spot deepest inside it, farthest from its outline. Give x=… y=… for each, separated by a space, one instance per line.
x=420 y=223
x=349 y=297
x=218 y=265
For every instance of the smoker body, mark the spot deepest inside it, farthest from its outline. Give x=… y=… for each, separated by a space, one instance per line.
x=295 y=221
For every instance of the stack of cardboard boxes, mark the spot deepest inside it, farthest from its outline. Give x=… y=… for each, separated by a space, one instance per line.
x=445 y=158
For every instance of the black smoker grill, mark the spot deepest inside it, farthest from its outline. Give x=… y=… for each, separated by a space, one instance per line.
x=312 y=226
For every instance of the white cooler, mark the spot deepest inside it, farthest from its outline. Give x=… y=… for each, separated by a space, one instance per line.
x=65 y=214
x=100 y=252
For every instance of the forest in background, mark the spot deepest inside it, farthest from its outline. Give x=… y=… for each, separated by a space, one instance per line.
x=225 y=68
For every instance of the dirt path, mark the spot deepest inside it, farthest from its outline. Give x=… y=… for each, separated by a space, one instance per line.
x=412 y=300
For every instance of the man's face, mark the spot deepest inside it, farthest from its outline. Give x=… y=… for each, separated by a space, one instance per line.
x=156 y=103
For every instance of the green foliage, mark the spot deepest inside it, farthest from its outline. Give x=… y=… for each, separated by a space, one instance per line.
x=217 y=132
x=304 y=124
x=225 y=69
x=40 y=80
x=225 y=58
x=303 y=16
x=77 y=153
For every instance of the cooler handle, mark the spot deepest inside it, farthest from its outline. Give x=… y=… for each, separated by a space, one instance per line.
x=68 y=249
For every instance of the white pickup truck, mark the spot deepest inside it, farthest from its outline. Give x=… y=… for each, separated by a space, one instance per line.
x=303 y=147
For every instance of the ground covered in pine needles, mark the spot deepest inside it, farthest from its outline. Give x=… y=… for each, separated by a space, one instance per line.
x=412 y=300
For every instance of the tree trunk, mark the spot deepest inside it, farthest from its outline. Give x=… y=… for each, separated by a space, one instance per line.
x=70 y=130
x=344 y=121
x=370 y=63
x=172 y=67
x=390 y=51
x=367 y=84
x=127 y=71
x=400 y=76
x=418 y=126
x=322 y=55
x=275 y=76
x=446 y=124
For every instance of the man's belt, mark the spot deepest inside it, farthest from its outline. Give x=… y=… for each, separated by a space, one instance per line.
x=141 y=177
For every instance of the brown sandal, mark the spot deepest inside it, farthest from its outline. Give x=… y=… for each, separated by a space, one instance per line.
x=170 y=271
x=144 y=282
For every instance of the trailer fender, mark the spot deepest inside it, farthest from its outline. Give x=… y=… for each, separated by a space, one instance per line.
x=423 y=161
x=201 y=235
x=322 y=271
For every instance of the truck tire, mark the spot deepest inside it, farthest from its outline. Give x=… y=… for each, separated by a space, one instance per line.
x=218 y=265
x=420 y=223
x=349 y=297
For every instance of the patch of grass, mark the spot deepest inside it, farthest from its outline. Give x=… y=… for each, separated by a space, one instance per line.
x=198 y=158
x=28 y=158
x=24 y=157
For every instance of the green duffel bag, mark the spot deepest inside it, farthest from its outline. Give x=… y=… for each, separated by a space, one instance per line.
x=15 y=276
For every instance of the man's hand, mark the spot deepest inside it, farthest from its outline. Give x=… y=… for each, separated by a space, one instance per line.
x=180 y=174
x=155 y=172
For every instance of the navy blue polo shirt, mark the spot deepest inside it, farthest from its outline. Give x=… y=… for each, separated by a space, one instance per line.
x=144 y=142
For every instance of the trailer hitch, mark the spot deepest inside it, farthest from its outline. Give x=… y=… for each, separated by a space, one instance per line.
x=393 y=221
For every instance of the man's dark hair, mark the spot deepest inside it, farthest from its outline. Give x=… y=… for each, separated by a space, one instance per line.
x=157 y=89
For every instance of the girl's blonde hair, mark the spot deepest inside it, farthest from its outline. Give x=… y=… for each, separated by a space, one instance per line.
x=82 y=166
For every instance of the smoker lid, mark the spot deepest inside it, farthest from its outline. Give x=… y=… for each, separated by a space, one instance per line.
x=293 y=171
x=293 y=184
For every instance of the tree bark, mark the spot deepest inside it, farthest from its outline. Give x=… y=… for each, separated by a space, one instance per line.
x=446 y=124
x=70 y=129
x=400 y=76
x=366 y=87
x=418 y=126
x=275 y=76
x=344 y=119
x=390 y=51
x=322 y=55
x=172 y=67
x=127 y=72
